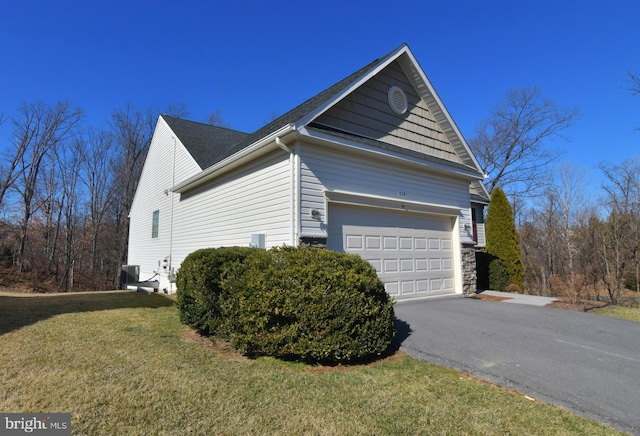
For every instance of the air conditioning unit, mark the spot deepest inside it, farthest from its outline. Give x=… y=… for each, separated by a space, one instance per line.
x=130 y=274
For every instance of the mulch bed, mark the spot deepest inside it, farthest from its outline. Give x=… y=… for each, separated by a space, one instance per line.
x=581 y=306
x=488 y=297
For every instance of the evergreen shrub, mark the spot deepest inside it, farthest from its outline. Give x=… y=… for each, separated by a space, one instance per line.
x=198 y=284
x=306 y=304
x=498 y=275
x=502 y=237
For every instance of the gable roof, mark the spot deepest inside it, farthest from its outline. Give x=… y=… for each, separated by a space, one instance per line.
x=211 y=145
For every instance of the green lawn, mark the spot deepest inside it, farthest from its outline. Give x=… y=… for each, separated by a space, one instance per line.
x=121 y=363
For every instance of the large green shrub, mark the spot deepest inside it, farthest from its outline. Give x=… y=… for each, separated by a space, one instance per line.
x=498 y=275
x=502 y=237
x=198 y=284
x=308 y=304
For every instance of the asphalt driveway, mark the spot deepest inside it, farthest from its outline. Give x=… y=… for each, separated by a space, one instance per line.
x=587 y=363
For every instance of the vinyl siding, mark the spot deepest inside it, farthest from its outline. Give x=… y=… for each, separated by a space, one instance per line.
x=322 y=170
x=367 y=112
x=156 y=177
x=227 y=211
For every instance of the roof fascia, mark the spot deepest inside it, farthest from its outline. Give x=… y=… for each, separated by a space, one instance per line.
x=232 y=161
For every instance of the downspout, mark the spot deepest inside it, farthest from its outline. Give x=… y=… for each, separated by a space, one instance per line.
x=171 y=197
x=292 y=191
x=282 y=145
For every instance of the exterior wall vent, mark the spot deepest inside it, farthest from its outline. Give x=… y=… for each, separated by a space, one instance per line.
x=397 y=100
x=258 y=240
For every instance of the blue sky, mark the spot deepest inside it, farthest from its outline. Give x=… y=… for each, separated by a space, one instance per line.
x=254 y=59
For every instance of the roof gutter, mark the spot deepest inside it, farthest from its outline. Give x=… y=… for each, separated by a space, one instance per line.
x=228 y=162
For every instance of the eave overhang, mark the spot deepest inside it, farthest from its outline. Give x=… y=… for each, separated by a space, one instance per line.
x=388 y=153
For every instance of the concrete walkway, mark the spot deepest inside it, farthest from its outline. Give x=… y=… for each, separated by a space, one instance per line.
x=532 y=300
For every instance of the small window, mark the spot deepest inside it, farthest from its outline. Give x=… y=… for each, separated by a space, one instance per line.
x=154 y=223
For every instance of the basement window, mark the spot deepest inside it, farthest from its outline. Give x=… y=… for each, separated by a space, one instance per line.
x=155 y=223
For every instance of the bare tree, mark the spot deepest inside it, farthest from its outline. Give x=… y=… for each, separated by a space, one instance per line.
x=215 y=119
x=177 y=109
x=132 y=130
x=620 y=242
x=634 y=80
x=570 y=194
x=511 y=143
x=97 y=164
x=68 y=163
x=38 y=128
x=51 y=204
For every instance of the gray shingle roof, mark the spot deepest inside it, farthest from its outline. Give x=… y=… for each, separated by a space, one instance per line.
x=209 y=144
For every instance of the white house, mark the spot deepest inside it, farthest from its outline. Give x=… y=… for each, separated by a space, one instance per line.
x=373 y=165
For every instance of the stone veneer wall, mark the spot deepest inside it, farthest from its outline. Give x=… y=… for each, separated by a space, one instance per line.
x=469 y=276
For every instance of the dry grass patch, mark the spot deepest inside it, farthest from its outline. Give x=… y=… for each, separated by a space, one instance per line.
x=630 y=313
x=122 y=363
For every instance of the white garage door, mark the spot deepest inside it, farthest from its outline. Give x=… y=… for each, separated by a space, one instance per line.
x=411 y=252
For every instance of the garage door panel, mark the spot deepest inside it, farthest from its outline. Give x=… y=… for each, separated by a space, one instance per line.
x=448 y=284
x=372 y=242
x=390 y=265
x=435 y=285
x=422 y=264
x=377 y=264
x=406 y=243
x=390 y=243
x=406 y=265
x=391 y=288
x=412 y=253
x=353 y=242
x=407 y=287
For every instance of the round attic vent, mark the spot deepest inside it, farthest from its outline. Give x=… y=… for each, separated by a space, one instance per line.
x=397 y=100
